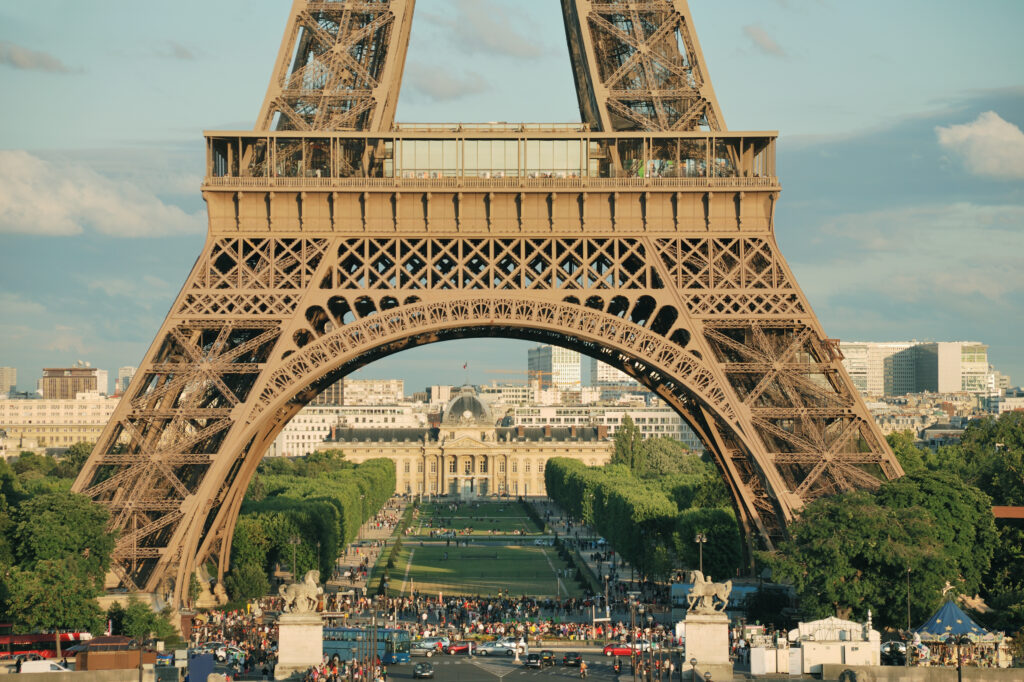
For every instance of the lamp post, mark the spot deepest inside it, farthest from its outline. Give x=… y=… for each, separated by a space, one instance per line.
x=700 y=540
x=632 y=636
x=693 y=669
x=906 y=655
x=607 y=604
x=957 y=641
x=294 y=542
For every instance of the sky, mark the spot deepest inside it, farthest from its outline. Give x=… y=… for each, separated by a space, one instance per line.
x=901 y=156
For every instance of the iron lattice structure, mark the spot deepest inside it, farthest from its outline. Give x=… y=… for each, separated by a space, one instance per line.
x=643 y=236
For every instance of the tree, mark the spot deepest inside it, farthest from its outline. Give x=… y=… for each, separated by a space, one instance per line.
x=962 y=518
x=628 y=442
x=847 y=552
x=910 y=457
x=723 y=551
x=140 y=622
x=247 y=581
x=53 y=595
x=56 y=527
x=73 y=460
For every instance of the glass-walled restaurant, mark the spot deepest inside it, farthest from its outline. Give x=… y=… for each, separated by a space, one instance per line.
x=412 y=156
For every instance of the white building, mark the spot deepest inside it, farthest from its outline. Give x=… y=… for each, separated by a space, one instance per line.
x=58 y=422
x=651 y=421
x=555 y=366
x=602 y=374
x=124 y=378
x=901 y=367
x=373 y=391
x=314 y=424
x=8 y=380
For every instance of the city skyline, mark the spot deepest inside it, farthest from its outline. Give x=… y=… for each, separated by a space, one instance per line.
x=900 y=215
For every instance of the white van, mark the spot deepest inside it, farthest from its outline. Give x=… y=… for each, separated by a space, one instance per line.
x=43 y=667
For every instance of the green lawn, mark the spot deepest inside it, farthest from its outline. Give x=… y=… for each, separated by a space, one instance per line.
x=483 y=518
x=480 y=570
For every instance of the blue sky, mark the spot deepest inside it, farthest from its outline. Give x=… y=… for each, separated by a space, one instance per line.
x=901 y=155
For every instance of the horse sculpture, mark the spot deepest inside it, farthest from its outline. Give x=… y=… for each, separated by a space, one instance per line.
x=302 y=597
x=702 y=596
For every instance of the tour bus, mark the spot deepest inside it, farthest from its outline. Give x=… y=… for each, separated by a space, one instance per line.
x=346 y=644
x=41 y=645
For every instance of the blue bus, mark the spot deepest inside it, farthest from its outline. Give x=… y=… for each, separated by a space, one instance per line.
x=345 y=644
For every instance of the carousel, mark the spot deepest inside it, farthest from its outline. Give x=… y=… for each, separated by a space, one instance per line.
x=952 y=638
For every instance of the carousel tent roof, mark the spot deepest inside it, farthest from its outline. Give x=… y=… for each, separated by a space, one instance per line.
x=950 y=620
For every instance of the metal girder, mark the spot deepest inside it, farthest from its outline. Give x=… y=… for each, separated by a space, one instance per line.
x=639 y=66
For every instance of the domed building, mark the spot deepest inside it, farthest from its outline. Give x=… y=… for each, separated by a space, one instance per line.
x=466 y=453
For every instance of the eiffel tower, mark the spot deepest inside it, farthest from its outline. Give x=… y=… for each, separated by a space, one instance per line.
x=643 y=236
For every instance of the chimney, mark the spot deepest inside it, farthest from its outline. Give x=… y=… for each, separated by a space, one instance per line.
x=572 y=432
x=547 y=430
x=520 y=431
x=602 y=431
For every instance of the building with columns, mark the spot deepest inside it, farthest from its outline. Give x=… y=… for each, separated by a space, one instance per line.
x=467 y=455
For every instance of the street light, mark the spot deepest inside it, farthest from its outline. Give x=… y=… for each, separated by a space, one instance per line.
x=906 y=654
x=607 y=605
x=294 y=542
x=693 y=669
x=700 y=540
x=957 y=641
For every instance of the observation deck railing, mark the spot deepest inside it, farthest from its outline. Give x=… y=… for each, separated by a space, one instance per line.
x=513 y=159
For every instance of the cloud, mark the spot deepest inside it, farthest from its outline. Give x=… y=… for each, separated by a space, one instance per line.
x=484 y=26
x=19 y=57
x=762 y=41
x=938 y=255
x=147 y=287
x=989 y=146
x=177 y=51
x=441 y=85
x=57 y=199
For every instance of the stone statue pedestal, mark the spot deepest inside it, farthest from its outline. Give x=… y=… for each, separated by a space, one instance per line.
x=300 y=643
x=707 y=640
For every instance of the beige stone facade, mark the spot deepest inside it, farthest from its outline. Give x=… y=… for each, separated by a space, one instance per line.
x=466 y=455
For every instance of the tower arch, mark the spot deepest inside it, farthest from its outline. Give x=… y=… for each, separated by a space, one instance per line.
x=650 y=246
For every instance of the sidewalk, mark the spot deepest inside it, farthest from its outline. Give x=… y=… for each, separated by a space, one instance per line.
x=362 y=548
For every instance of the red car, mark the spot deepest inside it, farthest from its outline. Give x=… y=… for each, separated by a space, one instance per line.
x=458 y=648
x=625 y=648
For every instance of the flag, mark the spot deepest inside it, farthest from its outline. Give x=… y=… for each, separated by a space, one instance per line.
x=465 y=365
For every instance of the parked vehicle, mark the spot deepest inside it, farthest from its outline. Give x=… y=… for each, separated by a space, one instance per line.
x=43 y=667
x=627 y=648
x=459 y=648
x=440 y=643
x=501 y=647
x=427 y=649
x=422 y=670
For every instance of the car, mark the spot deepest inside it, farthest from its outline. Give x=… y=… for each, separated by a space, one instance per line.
x=422 y=670
x=894 y=653
x=459 y=647
x=43 y=667
x=532 y=661
x=420 y=648
x=547 y=657
x=440 y=643
x=627 y=649
x=572 y=658
x=506 y=647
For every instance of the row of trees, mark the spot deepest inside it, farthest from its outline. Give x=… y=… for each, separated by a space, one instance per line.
x=649 y=502
x=304 y=511
x=860 y=550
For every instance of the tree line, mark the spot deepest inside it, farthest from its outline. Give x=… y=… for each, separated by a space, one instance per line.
x=55 y=547
x=305 y=510
x=649 y=502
